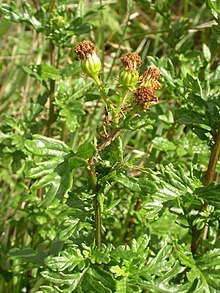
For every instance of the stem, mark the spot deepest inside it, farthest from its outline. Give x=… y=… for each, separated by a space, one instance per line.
x=209 y=177
x=97 y=206
x=52 y=82
x=52 y=90
x=36 y=4
x=120 y=103
x=210 y=174
x=102 y=92
x=98 y=222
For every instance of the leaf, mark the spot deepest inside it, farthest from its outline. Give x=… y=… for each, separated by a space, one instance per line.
x=29 y=255
x=42 y=71
x=206 y=52
x=48 y=289
x=210 y=194
x=141 y=185
x=96 y=286
x=57 y=183
x=45 y=146
x=86 y=151
x=163 y=144
x=71 y=119
x=70 y=227
x=43 y=168
x=103 y=276
x=212 y=4
x=63 y=279
x=67 y=261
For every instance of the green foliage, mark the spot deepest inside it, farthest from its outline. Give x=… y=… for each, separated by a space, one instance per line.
x=100 y=193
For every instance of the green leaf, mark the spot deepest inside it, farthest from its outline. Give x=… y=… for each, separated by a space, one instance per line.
x=67 y=261
x=75 y=162
x=103 y=276
x=43 y=168
x=210 y=194
x=163 y=144
x=206 y=52
x=42 y=71
x=45 y=146
x=96 y=286
x=48 y=289
x=63 y=279
x=70 y=227
x=215 y=8
x=86 y=151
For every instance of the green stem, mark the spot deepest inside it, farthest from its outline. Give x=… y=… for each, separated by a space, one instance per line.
x=121 y=100
x=209 y=177
x=102 y=92
x=97 y=205
x=52 y=91
x=98 y=223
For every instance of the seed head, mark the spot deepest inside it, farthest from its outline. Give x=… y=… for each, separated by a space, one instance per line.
x=84 y=49
x=150 y=77
x=129 y=76
x=131 y=61
x=144 y=96
x=90 y=62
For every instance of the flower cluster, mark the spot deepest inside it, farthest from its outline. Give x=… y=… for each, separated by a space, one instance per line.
x=145 y=93
x=128 y=76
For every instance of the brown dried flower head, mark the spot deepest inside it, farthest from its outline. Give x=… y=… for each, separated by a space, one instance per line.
x=150 y=77
x=131 y=61
x=144 y=96
x=90 y=62
x=84 y=49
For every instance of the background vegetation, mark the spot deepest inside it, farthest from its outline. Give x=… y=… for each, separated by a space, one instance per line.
x=139 y=213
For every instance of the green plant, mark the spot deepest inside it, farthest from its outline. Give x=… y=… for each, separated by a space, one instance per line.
x=108 y=183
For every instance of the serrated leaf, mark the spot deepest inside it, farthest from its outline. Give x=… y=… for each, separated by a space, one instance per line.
x=43 y=168
x=63 y=279
x=71 y=226
x=45 y=146
x=96 y=286
x=128 y=181
x=103 y=276
x=68 y=260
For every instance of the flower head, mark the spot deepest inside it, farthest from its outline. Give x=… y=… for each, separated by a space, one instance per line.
x=150 y=77
x=90 y=62
x=131 y=61
x=84 y=49
x=144 y=96
x=129 y=76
